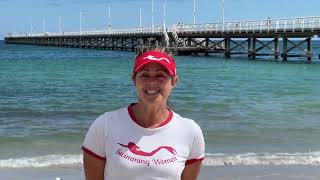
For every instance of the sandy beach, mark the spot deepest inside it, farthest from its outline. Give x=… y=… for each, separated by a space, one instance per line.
x=297 y=172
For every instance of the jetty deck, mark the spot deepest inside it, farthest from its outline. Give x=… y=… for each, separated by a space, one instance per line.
x=251 y=38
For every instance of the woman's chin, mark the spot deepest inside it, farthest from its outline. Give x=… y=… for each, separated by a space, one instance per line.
x=153 y=100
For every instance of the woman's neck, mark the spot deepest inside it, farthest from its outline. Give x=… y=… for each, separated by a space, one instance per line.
x=150 y=116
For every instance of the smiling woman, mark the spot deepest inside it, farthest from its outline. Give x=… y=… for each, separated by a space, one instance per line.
x=145 y=140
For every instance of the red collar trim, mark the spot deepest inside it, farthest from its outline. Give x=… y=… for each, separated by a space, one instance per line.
x=131 y=114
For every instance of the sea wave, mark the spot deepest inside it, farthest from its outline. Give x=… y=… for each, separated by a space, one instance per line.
x=307 y=158
x=219 y=159
x=41 y=161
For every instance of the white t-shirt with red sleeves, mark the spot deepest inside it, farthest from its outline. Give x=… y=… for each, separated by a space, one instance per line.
x=137 y=153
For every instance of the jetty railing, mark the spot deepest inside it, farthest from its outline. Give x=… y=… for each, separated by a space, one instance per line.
x=300 y=24
x=123 y=31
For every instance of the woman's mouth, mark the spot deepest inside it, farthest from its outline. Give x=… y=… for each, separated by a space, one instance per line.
x=152 y=92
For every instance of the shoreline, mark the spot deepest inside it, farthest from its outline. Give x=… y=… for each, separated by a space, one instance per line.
x=274 y=172
x=261 y=172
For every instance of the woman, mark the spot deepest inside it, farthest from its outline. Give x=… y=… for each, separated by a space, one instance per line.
x=145 y=140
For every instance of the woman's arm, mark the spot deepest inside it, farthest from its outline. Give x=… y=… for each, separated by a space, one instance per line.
x=93 y=167
x=191 y=171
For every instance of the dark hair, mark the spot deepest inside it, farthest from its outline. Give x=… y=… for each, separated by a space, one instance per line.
x=165 y=50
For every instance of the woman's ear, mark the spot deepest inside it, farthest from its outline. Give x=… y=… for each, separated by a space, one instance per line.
x=174 y=80
x=133 y=78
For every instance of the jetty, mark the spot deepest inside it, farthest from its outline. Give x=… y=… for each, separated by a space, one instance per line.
x=250 y=38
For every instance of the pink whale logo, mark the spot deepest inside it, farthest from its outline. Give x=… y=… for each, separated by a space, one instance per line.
x=137 y=151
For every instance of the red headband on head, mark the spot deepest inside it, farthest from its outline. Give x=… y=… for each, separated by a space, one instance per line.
x=158 y=57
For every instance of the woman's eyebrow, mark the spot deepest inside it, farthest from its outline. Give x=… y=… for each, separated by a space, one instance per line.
x=142 y=70
x=157 y=70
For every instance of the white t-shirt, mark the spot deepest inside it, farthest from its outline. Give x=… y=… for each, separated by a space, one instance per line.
x=137 y=153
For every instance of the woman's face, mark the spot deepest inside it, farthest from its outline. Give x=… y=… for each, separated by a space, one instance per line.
x=154 y=84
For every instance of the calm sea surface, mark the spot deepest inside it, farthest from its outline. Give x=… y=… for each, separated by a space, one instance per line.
x=251 y=111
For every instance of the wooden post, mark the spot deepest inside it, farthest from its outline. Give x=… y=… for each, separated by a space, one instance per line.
x=309 y=54
x=107 y=42
x=132 y=44
x=227 y=46
x=145 y=42
x=149 y=42
x=83 y=42
x=96 y=42
x=276 y=48
x=122 y=44
x=207 y=47
x=189 y=41
x=285 y=49
x=118 y=44
x=112 y=43
x=104 y=43
x=249 y=48
x=72 y=42
x=253 y=50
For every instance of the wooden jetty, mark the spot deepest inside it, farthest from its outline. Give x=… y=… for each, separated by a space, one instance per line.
x=250 y=38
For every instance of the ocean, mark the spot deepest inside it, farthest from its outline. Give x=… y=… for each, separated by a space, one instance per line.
x=252 y=112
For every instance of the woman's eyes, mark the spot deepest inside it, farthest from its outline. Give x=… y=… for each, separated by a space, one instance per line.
x=144 y=76
x=161 y=76
x=158 y=76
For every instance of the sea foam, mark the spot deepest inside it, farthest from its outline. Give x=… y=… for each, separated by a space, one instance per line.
x=308 y=158
x=41 y=161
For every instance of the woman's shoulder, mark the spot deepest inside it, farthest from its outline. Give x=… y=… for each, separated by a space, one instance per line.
x=186 y=122
x=117 y=113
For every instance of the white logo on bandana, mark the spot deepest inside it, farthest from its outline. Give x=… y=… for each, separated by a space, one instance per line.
x=150 y=57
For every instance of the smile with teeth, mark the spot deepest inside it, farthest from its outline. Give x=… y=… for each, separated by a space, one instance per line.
x=151 y=92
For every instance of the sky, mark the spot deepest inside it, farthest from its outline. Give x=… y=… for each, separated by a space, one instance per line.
x=24 y=16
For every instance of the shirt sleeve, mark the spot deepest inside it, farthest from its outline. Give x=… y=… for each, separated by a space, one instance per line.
x=198 y=147
x=94 y=142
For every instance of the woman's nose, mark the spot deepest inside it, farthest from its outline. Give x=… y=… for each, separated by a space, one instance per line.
x=152 y=83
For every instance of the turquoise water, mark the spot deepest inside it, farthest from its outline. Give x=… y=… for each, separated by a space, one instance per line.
x=250 y=110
